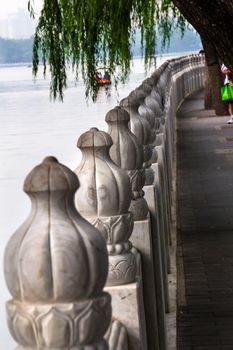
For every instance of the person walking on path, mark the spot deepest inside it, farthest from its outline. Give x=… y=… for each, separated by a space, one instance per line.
x=228 y=80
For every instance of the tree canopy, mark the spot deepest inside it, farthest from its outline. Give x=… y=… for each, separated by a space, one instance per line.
x=213 y=21
x=87 y=33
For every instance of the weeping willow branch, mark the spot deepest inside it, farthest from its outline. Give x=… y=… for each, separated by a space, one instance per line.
x=86 y=34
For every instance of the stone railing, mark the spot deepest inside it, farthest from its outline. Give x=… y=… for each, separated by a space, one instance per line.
x=84 y=258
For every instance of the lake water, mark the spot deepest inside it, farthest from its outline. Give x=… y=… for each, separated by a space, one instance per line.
x=32 y=127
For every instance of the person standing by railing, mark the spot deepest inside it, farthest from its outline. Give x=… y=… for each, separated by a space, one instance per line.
x=228 y=81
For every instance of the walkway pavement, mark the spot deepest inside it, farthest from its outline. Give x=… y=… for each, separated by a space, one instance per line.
x=205 y=200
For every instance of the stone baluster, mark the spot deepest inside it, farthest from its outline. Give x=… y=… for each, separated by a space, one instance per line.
x=140 y=127
x=165 y=128
x=159 y=165
x=153 y=101
x=153 y=90
x=155 y=95
x=56 y=267
x=158 y=107
x=161 y=85
x=146 y=111
x=200 y=69
x=157 y=207
x=150 y=108
x=127 y=153
x=103 y=199
x=164 y=143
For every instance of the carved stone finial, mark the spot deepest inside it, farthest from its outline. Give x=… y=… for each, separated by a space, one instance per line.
x=148 y=113
x=151 y=110
x=127 y=152
x=164 y=83
x=103 y=184
x=56 y=268
x=103 y=199
x=146 y=110
x=140 y=127
x=150 y=81
x=146 y=87
x=156 y=96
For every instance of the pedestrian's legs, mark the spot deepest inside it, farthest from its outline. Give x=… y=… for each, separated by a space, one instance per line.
x=230 y=109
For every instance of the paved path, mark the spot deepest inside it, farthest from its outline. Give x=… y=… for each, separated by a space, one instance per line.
x=205 y=198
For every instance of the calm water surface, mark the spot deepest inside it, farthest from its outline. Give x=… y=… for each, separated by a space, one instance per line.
x=32 y=127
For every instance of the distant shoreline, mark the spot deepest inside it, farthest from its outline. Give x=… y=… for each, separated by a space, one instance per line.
x=19 y=64
x=169 y=54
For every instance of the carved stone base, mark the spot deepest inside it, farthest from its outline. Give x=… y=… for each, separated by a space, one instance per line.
x=128 y=309
x=160 y=262
x=154 y=157
x=142 y=241
x=116 y=230
x=147 y=152
x=116 y=336
x=139 y=208
x=72 y=326
x=149 y=176
x=122 y=269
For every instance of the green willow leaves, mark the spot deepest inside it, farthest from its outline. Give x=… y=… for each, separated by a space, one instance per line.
x=87 y=34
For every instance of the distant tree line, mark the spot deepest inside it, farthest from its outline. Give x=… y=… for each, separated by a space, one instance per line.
x=20 y=50
x=16 y=50
x=190 y=41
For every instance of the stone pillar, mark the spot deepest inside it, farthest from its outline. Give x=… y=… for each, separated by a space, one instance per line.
x=153 y=102
x=124 y=152
x=140 y=127
x=152 y=107
x=166 y=178
x=127 y=153
x=161 y=82
x=159 y=107
x=56 y=268
x=117 y=336
x=156 y=96
x=147 y=112
x=160 y=272
x=103 y=199
x=164 y=148
x=165 y=129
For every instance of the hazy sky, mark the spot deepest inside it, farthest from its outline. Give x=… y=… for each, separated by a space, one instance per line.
x=10 y=6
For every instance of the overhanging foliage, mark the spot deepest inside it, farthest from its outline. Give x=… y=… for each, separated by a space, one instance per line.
x=84 y=34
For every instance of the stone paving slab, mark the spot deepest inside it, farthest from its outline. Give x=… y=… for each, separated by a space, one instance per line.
x=205 y=202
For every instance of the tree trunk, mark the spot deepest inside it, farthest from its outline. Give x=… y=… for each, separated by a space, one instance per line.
x=214 y=80
x=208 y=100
x=213 y=21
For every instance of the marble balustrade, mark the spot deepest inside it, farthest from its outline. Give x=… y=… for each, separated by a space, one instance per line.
x=89 y=267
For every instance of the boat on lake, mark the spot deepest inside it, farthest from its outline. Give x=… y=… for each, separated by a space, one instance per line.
x=104 y=79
